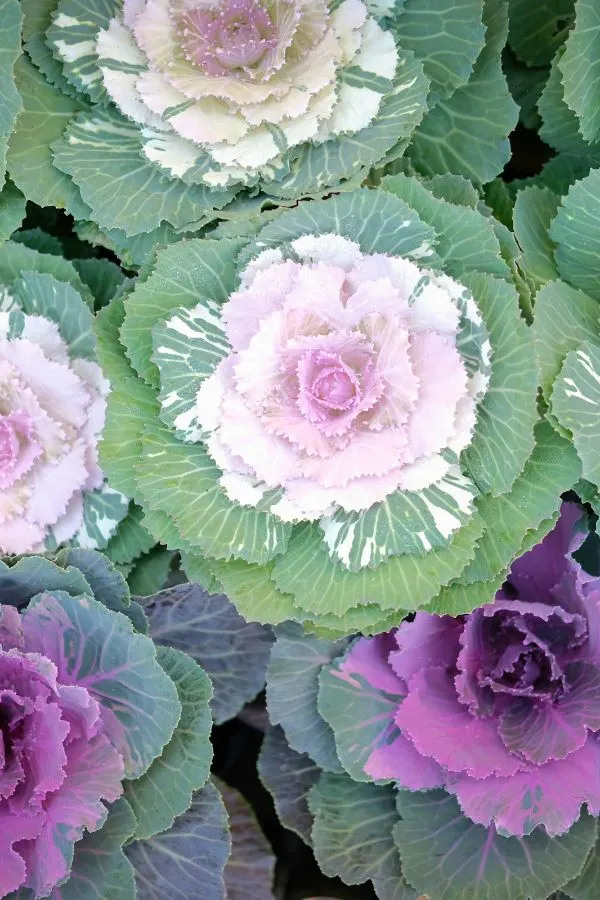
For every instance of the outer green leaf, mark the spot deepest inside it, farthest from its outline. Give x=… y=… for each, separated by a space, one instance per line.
x=404 y=582
x=525 y=85
x=37 y=18
x=575 y=231
x=448 y=857
x=257 y=598
x=580 y=66
x=183 y=274
x=405 y=522
x=182 y=481
x=107 y=585
x=72 y=37
x=288 y=776
x=131 y=404
x=46 y=112
x=16 y=258
x=131 y=539
x=132 y=251
x=468 y=133
x=446 y=36
x=534 y=209
x=31 y=575
x=42 y=295
x=250 y=868
x=503 y=437
x=234 y=653
x=104 y=653
x=12 y=210
x=552 y=468
x=103 y=509
x=39 y=240
x=454 y=189
x=130 y=193
x=536 y=30
x=102 y=276
x=191 y=854
x=352 y=834
x=317 y=167
x=585 y=885
x=150 y=572
x=377 y=221
x=575 y=402
x=248 y=586
x=165 y=791
x=100 y=868
x=292 y=689
x=188 y=346
x=355 y=711
x=198 y=569
x=466 y=241
x=10 y=50
x=560 y=126
x=563 y=319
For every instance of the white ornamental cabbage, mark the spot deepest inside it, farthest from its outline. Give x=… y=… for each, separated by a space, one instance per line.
x=242 y=81
x=169 y=110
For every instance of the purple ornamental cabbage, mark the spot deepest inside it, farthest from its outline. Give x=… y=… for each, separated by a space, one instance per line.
x=84 y=704
x=500 y=707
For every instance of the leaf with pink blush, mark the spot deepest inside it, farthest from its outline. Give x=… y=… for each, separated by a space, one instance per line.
x=425 y=641
x=11 y=630
x=441 y=727
x=32 y=575
x=442 y=383
x=550 y=795
x=44 y=734
x=98 y=649
x=93 y=774
x=359 y=696
x=535 y=574
x=15 y=828
x=266 y=294
x=80 y=710
x=553 y=729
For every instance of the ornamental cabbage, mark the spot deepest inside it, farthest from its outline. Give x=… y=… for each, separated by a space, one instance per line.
x=165 y=112
x=91 y=716
x=500 y=707
x=332 y=418
x=52 y=409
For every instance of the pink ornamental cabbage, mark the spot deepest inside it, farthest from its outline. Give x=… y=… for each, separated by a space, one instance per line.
x=500 y=707
x=346 y=381
x=52 y=409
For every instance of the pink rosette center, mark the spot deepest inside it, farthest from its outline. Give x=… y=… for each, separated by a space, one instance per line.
x=18 y=447
x=236 y=34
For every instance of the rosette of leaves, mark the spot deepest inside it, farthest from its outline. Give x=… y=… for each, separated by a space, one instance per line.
x=245 y=381
x=195 y=104
x=52 y=409
x=106 y=742
x=454 y=757
x=560 y=241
